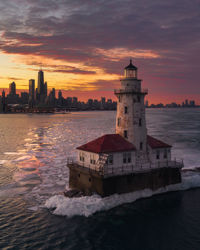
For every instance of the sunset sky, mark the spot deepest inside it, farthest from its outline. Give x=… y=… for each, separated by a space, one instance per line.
x=83 y=45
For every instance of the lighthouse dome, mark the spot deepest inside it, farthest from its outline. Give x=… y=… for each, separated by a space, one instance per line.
x=130 y=71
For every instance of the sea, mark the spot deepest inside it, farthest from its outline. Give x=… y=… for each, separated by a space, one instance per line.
x=33 y=175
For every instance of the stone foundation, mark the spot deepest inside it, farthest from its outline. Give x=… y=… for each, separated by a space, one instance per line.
x=88 y=181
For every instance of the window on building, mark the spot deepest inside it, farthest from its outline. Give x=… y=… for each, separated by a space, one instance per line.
x=141 y=145
x=119 y=98
x=119 y=121
x=165 y=154
x=92 y=159
x=138 y=98
x=81 y=157
x=127 y=157
x=110 y=159
x=140 y=122
x=125 y=110
x=124 y=157
x=125 y=134
x=158 y=154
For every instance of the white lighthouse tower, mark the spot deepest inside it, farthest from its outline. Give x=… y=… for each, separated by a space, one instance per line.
x=130 y=120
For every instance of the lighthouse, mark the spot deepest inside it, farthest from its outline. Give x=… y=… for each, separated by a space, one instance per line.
x=130 y=159
x=130 y=119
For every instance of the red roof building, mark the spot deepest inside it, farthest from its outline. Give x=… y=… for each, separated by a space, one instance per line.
x=116 y=143
x=107 y=144
x=155 y=143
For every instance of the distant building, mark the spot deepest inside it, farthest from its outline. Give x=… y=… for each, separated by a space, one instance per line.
x=40 y=85
x=24 y=98
x=90 y=103
x=52 y=97
x=12 y=97
x=41 y=88
x=12 y=88
x=192 y=103
x=75 y=102
x=32 y=94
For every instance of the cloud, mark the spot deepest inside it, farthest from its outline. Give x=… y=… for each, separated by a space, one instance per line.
x=162 y=36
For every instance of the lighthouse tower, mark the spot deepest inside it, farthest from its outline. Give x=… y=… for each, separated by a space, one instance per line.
x=130 y=120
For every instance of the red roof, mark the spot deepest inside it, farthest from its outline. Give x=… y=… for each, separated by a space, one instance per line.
x=107 y=144
x=155 y=143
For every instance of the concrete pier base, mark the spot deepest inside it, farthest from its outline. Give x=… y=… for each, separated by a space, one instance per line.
x=88 y=181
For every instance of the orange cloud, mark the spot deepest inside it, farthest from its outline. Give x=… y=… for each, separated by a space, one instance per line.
x=117 y=54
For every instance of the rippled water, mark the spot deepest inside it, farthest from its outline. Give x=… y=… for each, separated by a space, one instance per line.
x=33 y=155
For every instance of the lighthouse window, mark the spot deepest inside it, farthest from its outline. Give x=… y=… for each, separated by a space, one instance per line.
x=125 y=134
x=141 y=145
x=125 y=110
x=119 y=121
x=140 y=122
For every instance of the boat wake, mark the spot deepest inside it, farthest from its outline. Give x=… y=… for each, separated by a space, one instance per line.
x=88 y=205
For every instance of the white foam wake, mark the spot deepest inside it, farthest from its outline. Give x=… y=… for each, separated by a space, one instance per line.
x=88 y=205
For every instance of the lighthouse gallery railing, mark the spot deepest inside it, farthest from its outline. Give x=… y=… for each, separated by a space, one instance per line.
x=110 y=170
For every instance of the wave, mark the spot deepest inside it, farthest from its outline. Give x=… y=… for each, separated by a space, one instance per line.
x=88 y=205
x=23 y=158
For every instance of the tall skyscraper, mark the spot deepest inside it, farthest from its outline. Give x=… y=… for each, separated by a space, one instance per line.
x=45 y=90
x=31 y=92
x=40 y=86
x=12 y=88
x=3 y=100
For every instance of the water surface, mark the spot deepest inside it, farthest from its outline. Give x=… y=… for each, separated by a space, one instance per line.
x=33 y=156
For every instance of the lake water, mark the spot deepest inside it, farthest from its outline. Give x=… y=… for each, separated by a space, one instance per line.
x=33 y=157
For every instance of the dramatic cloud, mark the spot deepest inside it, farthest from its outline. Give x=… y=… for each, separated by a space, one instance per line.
x=99 y=37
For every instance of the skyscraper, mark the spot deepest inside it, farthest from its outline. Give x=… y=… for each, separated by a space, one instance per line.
x=3 y=100
x=60 y=98
x=45 y=90
x=40 y=86
x=12 y=97
x=31 y=92
x=12 y=88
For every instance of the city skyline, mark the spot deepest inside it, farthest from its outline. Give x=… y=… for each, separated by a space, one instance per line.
x=39 y=100
x=85 y=97
x=82 y=53
x=39 y=94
